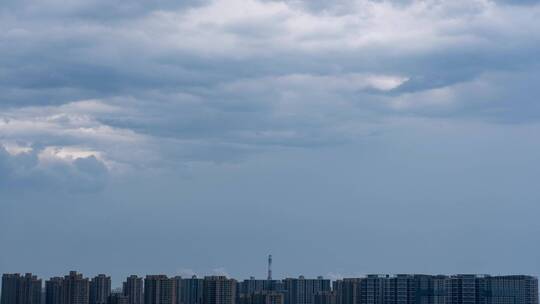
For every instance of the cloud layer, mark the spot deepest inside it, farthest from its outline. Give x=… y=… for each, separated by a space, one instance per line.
x=160 y=85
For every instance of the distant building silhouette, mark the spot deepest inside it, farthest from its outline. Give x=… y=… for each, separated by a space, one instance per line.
x=159 y=289
x=439 y=289
x=347 y=291
x=54 y=291
x=189 y=291
x=100 y=289
x=371 y=289
x=17 y=289
x=302 y=290
x=219 y=290
x=256 y=291
x=76 y=289
x=254 y=285
x=133 y=289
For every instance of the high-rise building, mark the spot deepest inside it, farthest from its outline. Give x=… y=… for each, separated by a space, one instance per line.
x=189 y=291
x=178 y=286
x=260 y=291
x=54 y=291
x=347 y=290
x=254 y=286
x=76 y=289
x=302 y=290
x=219 y=290
x=385 y=289
x=372 y=289
x=100 y=289
x=10 y=288
x=159 y=289
x=513 y=289
x=462 y=289
x=438 y=289
x=133 y=289
x=17 y=289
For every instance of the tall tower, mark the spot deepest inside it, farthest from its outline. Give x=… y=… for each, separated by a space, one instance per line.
x=269 y=267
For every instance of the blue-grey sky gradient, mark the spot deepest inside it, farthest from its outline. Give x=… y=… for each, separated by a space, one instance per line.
x=345 y=137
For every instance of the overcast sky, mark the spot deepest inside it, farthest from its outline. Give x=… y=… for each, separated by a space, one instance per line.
x=344 y=137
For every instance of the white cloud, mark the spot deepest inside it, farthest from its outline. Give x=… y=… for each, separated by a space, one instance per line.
x=220 y=271
x=15 y=148
x=339 y=83
x=186 y=272
x=37 y=170
x=69 y=154
x=69 y=132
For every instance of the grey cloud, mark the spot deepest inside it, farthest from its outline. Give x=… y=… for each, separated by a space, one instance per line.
x=15 y=166
x=24 y=172
x=92 y=70
x=344 y=6
x=185 y=97
x=99 y=10
x=518 y=2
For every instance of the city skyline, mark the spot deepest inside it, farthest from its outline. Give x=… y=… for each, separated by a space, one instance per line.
x=262 y=274
x=74 y=288
x=258 y=282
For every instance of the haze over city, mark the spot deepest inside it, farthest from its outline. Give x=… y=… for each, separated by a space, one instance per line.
x=196 y=137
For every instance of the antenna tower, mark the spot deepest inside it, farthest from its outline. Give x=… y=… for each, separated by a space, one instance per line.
x=269 y=267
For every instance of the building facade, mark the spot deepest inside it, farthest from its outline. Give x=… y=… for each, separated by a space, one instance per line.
x=302 y=291
x=255 y=285
x=437 y=289
x=75 y=289
x=100 y=289
x=219 y=290
x=189 y=290
x=54 y=291
x=133 y=289
x=18 y=289
x=159 y=289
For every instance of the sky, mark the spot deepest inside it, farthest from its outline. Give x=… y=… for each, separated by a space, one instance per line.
x=196 y=137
